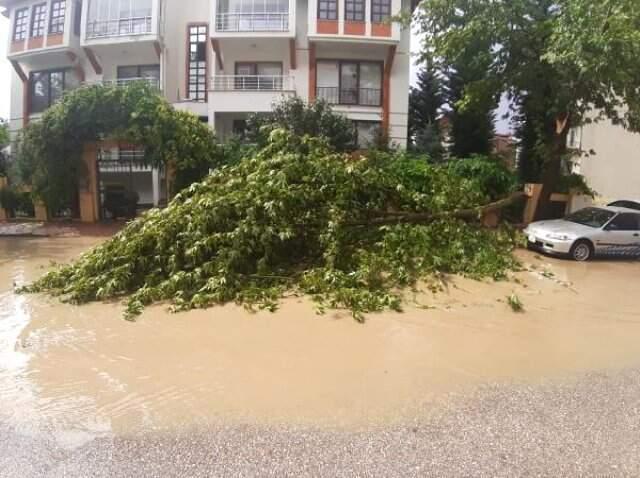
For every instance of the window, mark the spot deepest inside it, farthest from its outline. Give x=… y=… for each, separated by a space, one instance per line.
x=354 y=10
x=197 y=69
x=380 y=10
x=328 y=9
x=366 y=133
x=58 y=11
x=38 y=20
x=20 y=25
x=48 y=86
x=252 y=15
x=119 y=17
x=574 y=138
x=77 y=20
x=239 y=128
x=150 y=73
x=258 y=76
x=350 y=82
x=625 y=222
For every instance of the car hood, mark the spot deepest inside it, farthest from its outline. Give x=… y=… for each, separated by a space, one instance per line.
x=560 y=226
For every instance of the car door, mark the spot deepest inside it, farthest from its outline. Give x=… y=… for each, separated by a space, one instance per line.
x=621 y=236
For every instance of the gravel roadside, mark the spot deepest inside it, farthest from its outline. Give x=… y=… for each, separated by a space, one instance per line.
x=584 y=427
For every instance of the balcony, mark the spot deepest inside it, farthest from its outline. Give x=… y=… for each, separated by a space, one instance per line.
x=247 y=93
x=243 y=19
x=252 y=22
x=252 y=83
x=120 y=27
x=123 y=161
x=350 y=96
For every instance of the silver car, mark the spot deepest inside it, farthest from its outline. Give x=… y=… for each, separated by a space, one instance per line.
x=588 y=232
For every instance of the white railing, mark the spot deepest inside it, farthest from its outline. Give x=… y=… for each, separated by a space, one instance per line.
x=252 y=83
x=120 y=27
x=252 y=22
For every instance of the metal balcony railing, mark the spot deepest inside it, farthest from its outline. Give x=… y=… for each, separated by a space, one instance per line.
x=122 y=161
x=350 y=96
x=252 y=83
x=252 y=22
x=120 y=27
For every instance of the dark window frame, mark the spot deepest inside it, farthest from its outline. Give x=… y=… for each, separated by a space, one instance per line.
x=21 y=25
x=355 y=127
x=38 y=20
x=380 y=11
x=77 y=18
x=200 y=91
x=138 y=67
x=57 y=17
x=354 y=14
x=325 y=13
x=340 y=63
x=50 y=100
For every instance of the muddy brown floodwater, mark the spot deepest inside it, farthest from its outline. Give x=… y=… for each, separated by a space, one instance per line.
x=84 y=371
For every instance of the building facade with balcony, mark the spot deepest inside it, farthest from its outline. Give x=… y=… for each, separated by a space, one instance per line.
x=219 y=59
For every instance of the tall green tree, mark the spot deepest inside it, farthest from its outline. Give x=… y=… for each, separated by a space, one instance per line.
x=425 y=102
x=4 y=142
x=472 y=122
x=575 y=60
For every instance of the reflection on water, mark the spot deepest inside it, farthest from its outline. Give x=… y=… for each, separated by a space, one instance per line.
x=14 y=317
x=82 y=371
x=22 y=403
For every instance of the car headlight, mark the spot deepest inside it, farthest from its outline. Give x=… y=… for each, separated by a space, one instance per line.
x=558 y=237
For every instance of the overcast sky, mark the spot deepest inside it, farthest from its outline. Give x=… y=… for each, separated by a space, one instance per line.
x=5 y=71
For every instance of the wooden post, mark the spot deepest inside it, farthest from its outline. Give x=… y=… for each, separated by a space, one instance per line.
x=532 y=191
x=3 y=212
x=88 y=186
x=312 y=72
x=41 y=213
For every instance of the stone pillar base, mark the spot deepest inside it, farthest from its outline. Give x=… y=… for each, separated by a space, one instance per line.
x=41 y=213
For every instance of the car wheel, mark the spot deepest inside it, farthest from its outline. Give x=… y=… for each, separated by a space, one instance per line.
x=581 y=251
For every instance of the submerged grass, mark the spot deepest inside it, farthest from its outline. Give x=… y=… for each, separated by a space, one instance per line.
x=293 y=217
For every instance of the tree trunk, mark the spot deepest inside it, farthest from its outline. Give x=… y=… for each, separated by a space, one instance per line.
x=552 y=170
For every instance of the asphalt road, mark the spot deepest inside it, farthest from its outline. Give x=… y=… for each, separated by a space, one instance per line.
x=588 y=426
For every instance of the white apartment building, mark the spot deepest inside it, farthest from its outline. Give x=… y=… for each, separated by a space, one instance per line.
x=219 y=59
x=613 y=167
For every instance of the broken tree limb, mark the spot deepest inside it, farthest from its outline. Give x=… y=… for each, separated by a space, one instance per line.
x=425 y=217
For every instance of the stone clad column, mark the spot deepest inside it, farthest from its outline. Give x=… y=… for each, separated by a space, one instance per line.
x=155 y=185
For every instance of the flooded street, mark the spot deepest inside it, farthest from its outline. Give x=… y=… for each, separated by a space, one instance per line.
x=74 y=376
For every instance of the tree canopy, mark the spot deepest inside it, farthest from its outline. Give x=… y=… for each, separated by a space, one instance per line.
x=296 y=216
x=573 y=61
x=302 y=118
x=50 y=149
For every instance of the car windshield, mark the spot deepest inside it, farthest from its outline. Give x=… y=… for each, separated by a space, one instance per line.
x=591 y=216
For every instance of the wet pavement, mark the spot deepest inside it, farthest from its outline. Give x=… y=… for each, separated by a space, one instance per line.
x=457 y=385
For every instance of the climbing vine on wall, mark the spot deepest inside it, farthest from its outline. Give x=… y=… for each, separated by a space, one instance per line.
x=49 y=152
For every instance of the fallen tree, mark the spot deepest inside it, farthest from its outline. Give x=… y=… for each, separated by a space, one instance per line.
x=282 y=220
